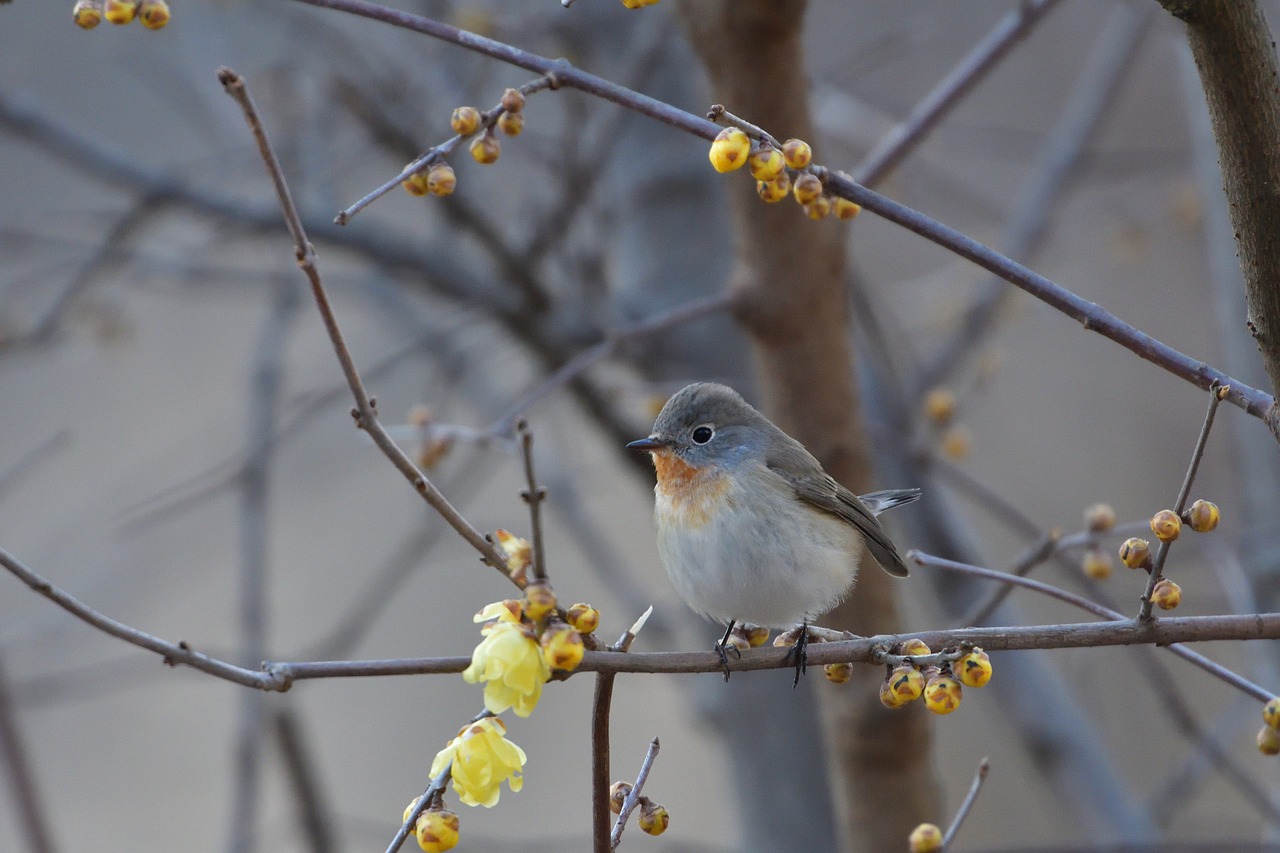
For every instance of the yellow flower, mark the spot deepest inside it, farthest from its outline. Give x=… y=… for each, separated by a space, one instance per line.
x=510 y=663
x=482 y=758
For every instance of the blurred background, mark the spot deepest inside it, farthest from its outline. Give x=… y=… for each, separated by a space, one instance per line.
x=176 y=448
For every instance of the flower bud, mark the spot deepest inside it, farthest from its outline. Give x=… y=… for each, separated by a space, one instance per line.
x=974 y=668
x=540 y=598
x=906 y=683
x=940 y=406
x=1269 y=741
x=925 y=838
x=1099 y=518
x=87 y=13
x=889 y=699
x=584 y=618
x=408 y=810
x=1096 y=563
x=120 y=11
x=806 y=189
x=1202 y=517
x=654 y=818
x=1135 y=553
x=838 y=673
x=819 y=208
x=942 y=694
x=517 y=550
x=1167 y=595
x=757 y=635
x=730 y=150
x=797 y=153
x=512 y=101
x=441 y=179
x=437 y=830
x=915 y=647
x=775 y=190
x=618 y=793
x=845 y=209
x=766 y=163
x=465 y=120
x=562 y=647
x=154 y=14
x=1271 y=712
x=955 y=442
x=1166 y=525
x=486 y=149
x=511 y=123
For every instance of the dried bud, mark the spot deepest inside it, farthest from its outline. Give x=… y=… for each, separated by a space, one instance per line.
x=1202 y=517
x=1135 y=553
x=1099 y=518
x=730 y=150
x=654 y=818
x=465 y=120
x=797 y=153
x=512 y=101
x=1166 y=525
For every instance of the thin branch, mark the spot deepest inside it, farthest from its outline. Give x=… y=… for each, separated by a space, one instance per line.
x=601 y=704
x=534 y=495
x=1034 y=555
x=434 y=789
x=17 y=766
x=967 y=805
x=314 y=814
x=365 y=413
x=633 y=798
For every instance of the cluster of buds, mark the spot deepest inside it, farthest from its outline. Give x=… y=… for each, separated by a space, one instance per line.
x=154 y=14
x=939 y=685
x=436 y=828
x=437 y=177
x=1269 y=735
x=654 y=817
x=779 y=172
x=1201 y=517
x=939 y=410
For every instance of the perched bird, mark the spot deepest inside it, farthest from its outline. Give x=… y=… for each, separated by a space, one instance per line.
x=750 y=528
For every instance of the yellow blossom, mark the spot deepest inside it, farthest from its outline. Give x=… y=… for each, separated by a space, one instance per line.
x=510 y=663
x=482 y=758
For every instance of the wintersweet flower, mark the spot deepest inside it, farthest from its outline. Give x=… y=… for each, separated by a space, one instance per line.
x=510 y=663
x=482 y=758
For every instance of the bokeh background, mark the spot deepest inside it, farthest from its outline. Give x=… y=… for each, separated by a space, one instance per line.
x=155 y=330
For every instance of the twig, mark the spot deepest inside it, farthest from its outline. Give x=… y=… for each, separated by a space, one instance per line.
x=967 y=805
x=960 y=80
x=13 y=757
x=365 y=413
x=718 y=113
x=601 y=705
x=434 y=789
x=534 y=495
x=1216 y=393
x=314 y=815
x=633 y=798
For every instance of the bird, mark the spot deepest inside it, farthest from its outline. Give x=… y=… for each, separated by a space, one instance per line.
x=750 y=528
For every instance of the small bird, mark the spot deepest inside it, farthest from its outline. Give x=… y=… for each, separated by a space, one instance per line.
x=750 y=528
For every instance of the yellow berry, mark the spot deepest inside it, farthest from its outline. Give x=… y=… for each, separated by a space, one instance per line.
x=806 y=189
x=562 y=647
x=441 y=180
x=915 y=647
x=87 y=13
x=730 y=150
x=1271 y=713
x=511 y=123
x=974 y=668
x=940 y=406
x=925 y=838
x=120 y=11
x=465 y=120
x=654 y=818
x=584 y=618
x=540 y=600
x=766 y=163
x=1099 y=518
x=1096 y=563
x=757 y=635
x=955 y=442
x=1269 y=741
x=838 y=673
x=618 y=793
x=1167 y=595
x=486 y=149
x=906 y=683
x=1166 y=525
x=797 y=153
x=512 y=101
x=845 y=209
x=1203 y=516
x=1135 y=553
x=775 y=190
x=154 y=14
x=437 y=830
x=942 y=694
x=415 y=184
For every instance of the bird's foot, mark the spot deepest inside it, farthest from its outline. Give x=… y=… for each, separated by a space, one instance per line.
x=724 y=647
x=798 y=639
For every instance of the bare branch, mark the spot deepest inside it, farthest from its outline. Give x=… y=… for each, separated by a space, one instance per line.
x=633 y=798
x=969 y=799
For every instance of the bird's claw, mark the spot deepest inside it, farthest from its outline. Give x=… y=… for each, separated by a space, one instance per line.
x=723 y=650
x=798 y=654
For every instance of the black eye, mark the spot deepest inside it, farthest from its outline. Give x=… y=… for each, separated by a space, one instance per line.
x=703 y=434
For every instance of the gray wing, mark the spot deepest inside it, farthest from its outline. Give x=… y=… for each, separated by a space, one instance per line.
x=826 y=494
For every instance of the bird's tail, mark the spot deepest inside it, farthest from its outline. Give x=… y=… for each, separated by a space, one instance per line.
x=878 y=502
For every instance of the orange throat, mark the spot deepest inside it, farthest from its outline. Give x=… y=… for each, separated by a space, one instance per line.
x=687 y=495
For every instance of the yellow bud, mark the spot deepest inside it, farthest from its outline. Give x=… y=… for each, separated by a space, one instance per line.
x=1096 y=563
x=974 y=668
x=925 y=838
x=584 y=618
x=757 y=635
x=942 y=694
x=797 y=153
x=845 y=209
x=1099 y=518
x=819 y=208
x=511 y=123
x=955 y=442
x=906 y=683
x=415 y=184
x=766 y=163
x=806 y=189
x=465 y=120
x=618 y=793
x=512 y=101
x=408 y=810
x=775 y=190
x=1167 y=595
x=1203 y=516
x=1166 y=525
x=915 y=647
x=437 y=830
x=87 y=13
x=517 y=550
x=562 y=647
x=1135 y=553
x=654 y=818
x=737 y=641
x=889 y=699
x=486 y=149
x=1269 y=741
x=540 y=600
x=838 y=673
x=1271 y=712
x=120 y=11
x=441 y=180
x=154 y=14
x=940 y=406
x=730 y=150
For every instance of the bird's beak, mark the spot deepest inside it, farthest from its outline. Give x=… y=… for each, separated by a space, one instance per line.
x=649 y=444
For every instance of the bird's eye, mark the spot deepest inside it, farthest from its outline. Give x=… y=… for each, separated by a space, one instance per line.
x=703 y=434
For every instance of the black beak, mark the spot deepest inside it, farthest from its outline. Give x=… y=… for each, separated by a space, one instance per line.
x=647 y=444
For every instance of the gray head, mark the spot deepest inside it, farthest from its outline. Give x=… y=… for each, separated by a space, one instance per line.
x=706 y=423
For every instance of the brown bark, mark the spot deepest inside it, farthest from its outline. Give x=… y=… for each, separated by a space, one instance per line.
x=1236 y=57
x=789 y=277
